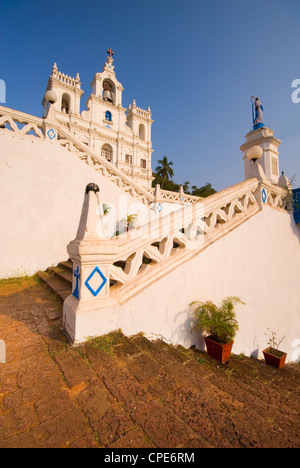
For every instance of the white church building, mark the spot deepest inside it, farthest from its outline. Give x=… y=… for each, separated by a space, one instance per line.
x=121 y=136
x=72 y=179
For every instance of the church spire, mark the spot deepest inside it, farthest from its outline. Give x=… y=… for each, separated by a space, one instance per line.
x=109 y=61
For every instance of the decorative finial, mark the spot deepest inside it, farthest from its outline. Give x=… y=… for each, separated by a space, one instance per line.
x=110 y=52
x=54 y=68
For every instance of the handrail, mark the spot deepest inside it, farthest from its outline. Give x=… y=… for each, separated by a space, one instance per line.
x=75 y=146
x=137 y=258
x=38 y=126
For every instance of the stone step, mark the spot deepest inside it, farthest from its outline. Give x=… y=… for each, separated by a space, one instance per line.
x=62 y=273
x=58 y=286
x=67 y=265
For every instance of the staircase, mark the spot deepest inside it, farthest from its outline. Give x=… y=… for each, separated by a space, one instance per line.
x=58 y=279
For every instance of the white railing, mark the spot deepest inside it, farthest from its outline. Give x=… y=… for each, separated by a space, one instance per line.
x=20 y=123
x=175 y=197
x=25 y=124
x=145 y=254
x=141 y=256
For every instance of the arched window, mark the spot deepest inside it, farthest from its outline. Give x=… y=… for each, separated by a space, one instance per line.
x=106 y=152
x=142 y=131
x=108 y=116
x=65 y=103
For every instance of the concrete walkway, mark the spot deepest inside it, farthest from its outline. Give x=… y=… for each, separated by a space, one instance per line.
x=131 y=393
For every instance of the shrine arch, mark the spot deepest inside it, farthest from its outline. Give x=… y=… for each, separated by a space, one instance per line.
x=142 y=132
x=66 y=103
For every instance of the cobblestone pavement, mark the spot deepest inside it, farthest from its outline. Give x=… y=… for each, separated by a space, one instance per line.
x=118 y=392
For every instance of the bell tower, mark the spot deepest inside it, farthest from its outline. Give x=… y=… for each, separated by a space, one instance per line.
x=67 y=90
x=263 y=137
x=121 y=136
x=105 y=85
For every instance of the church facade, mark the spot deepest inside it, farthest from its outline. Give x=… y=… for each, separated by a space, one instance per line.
x=121 y=136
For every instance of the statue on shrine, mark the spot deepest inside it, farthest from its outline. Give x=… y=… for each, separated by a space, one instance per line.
x=257 y=113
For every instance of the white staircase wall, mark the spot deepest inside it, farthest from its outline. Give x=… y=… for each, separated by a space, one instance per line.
x=42 y=188
x=259 y=262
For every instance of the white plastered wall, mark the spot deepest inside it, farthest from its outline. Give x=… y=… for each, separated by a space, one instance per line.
x=259 y=262
x=41 y=191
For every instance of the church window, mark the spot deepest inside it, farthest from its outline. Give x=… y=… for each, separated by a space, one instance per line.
x=128 y=159
x=142 y=132
x=65 y=103
x=143 y=164
x=108 y=116
x=106 y=152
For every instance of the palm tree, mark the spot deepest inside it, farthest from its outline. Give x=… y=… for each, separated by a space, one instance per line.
x=186 y=187
x=164 y=170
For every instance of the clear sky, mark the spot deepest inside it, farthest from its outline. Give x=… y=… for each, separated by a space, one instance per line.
x=195 y=62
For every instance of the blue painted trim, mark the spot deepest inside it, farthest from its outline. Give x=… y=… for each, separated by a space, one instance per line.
x=257 y=126
x=296 y=205
x=52 y=132
x=104 y=281
x=77 y=276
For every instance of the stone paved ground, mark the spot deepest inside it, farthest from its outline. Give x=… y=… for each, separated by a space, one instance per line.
x=117 y=392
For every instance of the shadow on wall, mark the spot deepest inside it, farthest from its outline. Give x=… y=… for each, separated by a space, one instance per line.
x=185 y=334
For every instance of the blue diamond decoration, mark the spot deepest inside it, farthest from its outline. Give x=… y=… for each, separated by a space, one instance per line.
x=159 y=207
x=104 y=281
x=51 y=134
x=264 y=196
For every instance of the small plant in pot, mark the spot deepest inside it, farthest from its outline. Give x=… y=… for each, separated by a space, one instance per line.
x=130 y=222
x=272 y=355
x=219 y=323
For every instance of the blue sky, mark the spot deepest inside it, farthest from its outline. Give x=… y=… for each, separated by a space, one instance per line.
x=195 y=62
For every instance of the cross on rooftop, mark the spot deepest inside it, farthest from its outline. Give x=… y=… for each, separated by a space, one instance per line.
x=110 y=52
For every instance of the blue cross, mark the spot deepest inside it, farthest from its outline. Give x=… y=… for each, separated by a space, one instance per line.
x=77 y=276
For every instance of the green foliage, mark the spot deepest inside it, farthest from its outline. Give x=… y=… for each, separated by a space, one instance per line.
x=274 y=342
x=219 y=322
x=163 y=177
x=106 y=209
x=164 y=170
x=204 y=191
x=130 y=220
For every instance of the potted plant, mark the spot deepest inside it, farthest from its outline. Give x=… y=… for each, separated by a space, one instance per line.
x=106 y=209
x=129 y=222
x=219 y=323
x=272 y=355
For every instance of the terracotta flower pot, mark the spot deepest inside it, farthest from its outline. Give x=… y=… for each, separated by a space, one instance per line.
x=275 y=361
x=220 y=352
